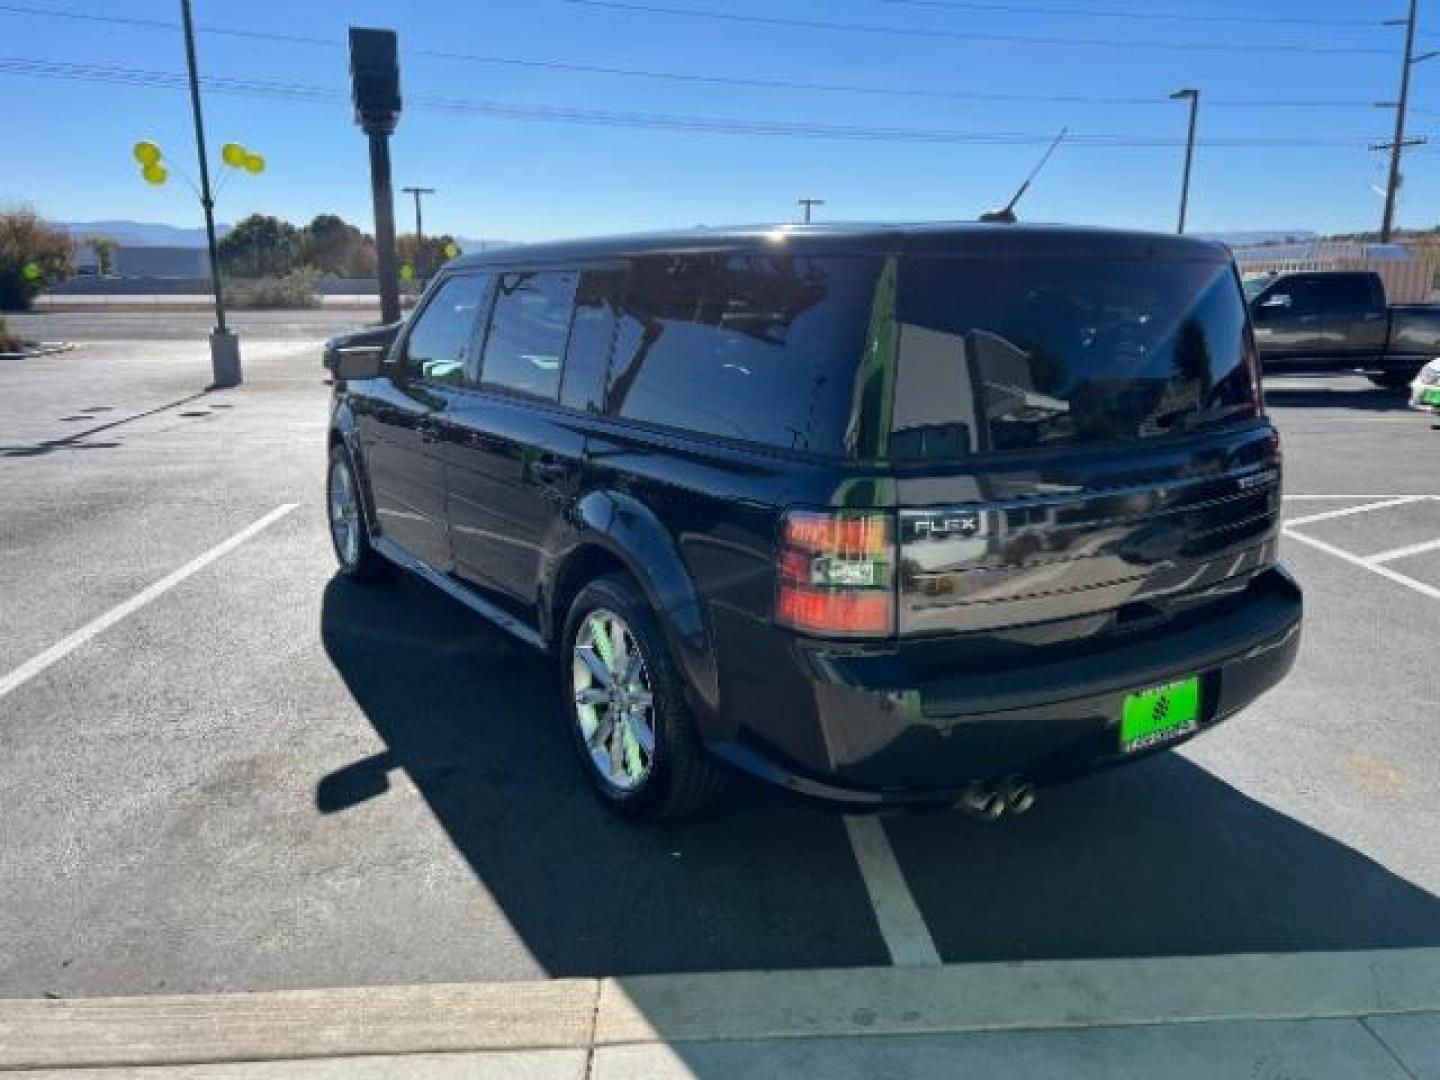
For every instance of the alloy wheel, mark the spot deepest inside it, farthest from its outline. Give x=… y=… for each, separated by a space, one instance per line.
x=344 y=514
x=614 y=701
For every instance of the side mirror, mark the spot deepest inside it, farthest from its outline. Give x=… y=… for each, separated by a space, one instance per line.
x=358 y=361
x=1268 y=307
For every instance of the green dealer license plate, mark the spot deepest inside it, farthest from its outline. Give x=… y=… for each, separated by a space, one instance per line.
x=1430 y=395
x=1158 y=715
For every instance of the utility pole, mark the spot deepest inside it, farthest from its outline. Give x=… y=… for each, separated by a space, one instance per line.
x=808 y=204
x=224 y=346
x=1191 y=94
x=1397 y=145
x=420 y=267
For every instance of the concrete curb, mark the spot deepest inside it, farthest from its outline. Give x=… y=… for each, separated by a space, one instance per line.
x=583 y=1013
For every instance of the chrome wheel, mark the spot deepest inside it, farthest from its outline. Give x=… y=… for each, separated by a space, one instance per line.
x=344 y=513
x=614 y=702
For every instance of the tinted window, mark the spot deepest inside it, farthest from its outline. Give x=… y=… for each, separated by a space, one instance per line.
x=757 y=347
x=592 y=334
x=1342 y=294
x=443 y=336
x=528 y=328
x=1000 y=355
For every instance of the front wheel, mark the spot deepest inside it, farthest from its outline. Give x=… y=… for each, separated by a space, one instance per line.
x=349 y=532
x=632 y=729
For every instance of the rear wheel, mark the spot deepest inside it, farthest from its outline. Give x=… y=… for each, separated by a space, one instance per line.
x=1393 y=380
x=632 y=729
x=349 y=532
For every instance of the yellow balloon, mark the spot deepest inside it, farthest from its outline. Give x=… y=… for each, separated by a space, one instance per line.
x=146 y=152
x=155 y=173
x=451 y=250
x=254 y=164
x=234 y=155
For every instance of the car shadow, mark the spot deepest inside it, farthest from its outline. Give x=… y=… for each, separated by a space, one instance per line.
x=1362 y=396
x=1160 y=858
x=474 y=719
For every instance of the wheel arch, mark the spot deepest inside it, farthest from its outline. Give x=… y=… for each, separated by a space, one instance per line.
x=618 y=534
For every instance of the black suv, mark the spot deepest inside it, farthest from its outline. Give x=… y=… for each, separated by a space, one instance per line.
x=922 y=514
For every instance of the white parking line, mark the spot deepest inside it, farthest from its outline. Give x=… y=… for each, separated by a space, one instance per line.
x=61 y=649
x=901 y=924
x=1399 y=500
x=1403 y=552
x=1367 y=564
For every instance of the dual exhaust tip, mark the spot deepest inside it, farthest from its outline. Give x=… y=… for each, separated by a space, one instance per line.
x=992 y=801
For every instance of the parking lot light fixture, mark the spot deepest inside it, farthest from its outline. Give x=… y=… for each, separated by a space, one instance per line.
x=1192 y=95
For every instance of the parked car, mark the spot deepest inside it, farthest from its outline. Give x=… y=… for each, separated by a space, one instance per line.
x=365 y=344
x=885 y=515
x=1338 y=320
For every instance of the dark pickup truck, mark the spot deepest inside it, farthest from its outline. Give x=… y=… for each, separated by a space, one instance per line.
x=1338 y=320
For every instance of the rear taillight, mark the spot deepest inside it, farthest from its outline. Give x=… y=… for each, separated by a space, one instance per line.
x=837 y=573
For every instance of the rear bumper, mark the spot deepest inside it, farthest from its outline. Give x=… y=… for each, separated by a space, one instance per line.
x=882 y=729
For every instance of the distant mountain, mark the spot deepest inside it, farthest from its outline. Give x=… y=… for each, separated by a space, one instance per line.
x=143 y=233
x=1257 y=237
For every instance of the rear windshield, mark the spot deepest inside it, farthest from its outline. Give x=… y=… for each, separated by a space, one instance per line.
x=1037 y=351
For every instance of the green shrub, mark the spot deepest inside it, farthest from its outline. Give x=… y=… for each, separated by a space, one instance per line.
x=293 y=290
x=33 y=256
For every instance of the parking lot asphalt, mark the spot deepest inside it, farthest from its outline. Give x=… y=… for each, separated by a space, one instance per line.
x=252 y=775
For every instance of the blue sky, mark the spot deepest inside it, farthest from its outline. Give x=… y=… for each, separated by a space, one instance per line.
x=67 y=144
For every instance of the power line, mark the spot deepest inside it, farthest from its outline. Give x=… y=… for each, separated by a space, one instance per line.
x=633 y=7
x=755 y=82
x=1102 y=13
x=886 y=91
x=102 y=73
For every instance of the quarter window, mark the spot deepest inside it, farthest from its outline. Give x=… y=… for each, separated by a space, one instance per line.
x=759 y=347
x=442 y=338
x=528 y=330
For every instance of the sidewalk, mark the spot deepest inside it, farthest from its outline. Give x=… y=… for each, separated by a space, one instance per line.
x=1316 y=1015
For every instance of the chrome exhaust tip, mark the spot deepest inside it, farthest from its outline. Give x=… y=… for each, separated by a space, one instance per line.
x=982 y=801
x=1020 y=797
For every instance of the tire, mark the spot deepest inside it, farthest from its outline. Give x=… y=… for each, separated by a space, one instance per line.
x=1393 y=380
x=676 y=776
x=357 y=559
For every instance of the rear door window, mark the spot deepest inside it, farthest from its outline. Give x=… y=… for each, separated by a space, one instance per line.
x=529 y=325
x=753 y=346
x=1342 y=294
x=440 y=342
x=1037 y=351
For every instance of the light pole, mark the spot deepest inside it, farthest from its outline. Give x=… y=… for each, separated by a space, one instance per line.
x=420 y=266
x=224 y=345
x=1193 y=96
x=808 y=205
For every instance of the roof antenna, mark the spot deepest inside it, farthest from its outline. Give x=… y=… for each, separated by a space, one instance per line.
x=1006 y=214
